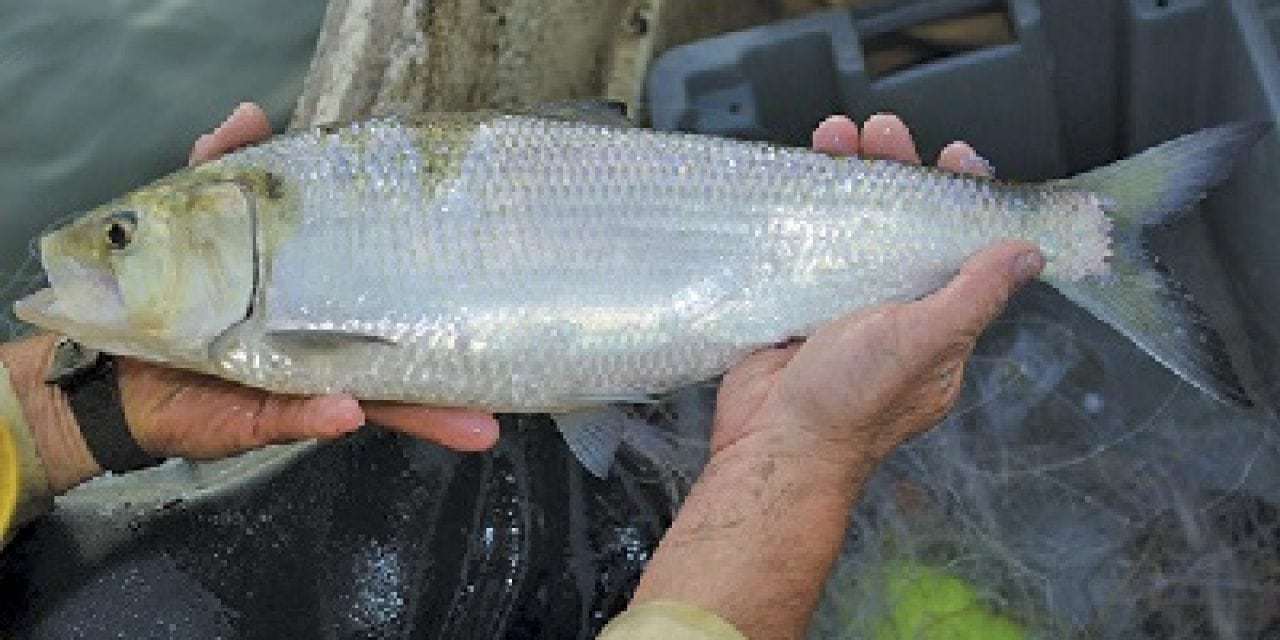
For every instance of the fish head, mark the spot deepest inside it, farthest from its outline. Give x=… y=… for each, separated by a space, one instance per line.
x=158 y=273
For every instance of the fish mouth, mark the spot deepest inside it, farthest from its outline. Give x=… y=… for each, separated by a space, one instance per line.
x=46 y=310
x=38 y=308
x=81 y=302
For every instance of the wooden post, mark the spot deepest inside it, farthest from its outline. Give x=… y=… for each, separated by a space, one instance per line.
x=387 y=56
x=400 y=56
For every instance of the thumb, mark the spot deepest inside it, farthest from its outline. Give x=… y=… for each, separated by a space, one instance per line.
x=234 y=426
x=247 y=123
x=181 y=413
x=979 y=292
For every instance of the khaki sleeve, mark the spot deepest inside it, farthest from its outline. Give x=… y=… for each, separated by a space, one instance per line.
x=24 y=489
x=666 y=619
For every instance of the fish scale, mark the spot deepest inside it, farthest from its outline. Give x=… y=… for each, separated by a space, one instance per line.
x=533 y=264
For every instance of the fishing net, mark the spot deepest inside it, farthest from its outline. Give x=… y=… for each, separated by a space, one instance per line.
x=1078 y=490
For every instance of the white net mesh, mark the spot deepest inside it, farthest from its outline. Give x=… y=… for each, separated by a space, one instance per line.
x=1078 y=490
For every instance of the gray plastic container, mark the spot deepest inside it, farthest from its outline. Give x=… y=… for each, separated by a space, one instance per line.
x=1080 y=84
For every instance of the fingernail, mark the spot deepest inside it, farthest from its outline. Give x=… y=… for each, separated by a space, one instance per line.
x=343 y=413
x=976 y=164
x=200 y=150
x=880 y=123
x=240 y=111
x=1027 y=266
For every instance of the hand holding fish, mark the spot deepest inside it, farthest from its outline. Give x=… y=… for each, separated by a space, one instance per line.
x=172 y=412
x=800 y=427
x=176 y=412
x=181 y=413
x=873 y=378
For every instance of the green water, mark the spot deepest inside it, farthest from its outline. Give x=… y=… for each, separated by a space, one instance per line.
x=99 y=97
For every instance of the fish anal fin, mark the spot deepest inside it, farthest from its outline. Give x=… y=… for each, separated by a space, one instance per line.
x=593 y=435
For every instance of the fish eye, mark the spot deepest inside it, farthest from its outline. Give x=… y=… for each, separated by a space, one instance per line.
x=120 y=228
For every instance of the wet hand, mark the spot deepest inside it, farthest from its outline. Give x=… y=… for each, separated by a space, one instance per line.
x=800 y=427
x=863 y=384
x=179 y=413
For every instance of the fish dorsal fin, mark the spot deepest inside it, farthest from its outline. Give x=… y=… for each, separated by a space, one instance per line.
x=612 y=113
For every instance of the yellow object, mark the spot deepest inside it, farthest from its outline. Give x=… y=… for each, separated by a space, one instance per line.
x=927 y=604
x=24 y=488
x=663 y=619
x=8 y=478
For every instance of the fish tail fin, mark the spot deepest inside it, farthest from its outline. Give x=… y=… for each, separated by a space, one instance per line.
x=1137 y=297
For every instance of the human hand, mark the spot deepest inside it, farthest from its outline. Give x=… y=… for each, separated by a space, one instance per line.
x=865 y=383
x=180 y=413
x=800 y=427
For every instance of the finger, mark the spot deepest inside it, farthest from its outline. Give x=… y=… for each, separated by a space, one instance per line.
x=961 y=310
x=837 y=135
x=884 y=136
x=762 y=364
x=202 y=150
x=247 y=123
x=180 y=413
x=288 y=418
x=959 y=157
x=458 y=429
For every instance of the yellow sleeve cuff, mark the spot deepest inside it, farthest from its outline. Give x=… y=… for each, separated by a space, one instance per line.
x=663 y=619
x=24 y=488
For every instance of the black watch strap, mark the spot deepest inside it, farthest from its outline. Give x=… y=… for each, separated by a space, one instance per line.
x=89 y=380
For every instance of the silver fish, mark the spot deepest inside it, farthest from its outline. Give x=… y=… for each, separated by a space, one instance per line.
x=528 y=263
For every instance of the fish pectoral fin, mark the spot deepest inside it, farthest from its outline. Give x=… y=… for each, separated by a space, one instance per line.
x=593 y=435
x=327 y=339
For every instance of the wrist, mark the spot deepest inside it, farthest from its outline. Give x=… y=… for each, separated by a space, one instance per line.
x=58 y=440
x=789 y=459
x=761 y=528
x=842 y=454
